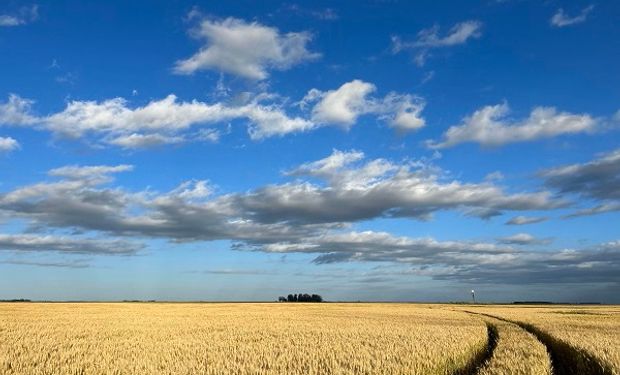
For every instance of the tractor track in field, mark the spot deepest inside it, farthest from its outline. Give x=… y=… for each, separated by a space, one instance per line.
x=474 y=366
x=565 y=359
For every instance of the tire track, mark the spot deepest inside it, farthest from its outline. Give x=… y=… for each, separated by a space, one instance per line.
x=565 y=359
x=481 y=358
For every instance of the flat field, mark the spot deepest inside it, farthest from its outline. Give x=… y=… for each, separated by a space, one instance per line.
x=297 y=338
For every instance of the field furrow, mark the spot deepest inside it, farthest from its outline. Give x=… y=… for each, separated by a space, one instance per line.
x=580 y=341
x=516 y=351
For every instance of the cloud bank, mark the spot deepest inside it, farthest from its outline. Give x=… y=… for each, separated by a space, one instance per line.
x=116 y=122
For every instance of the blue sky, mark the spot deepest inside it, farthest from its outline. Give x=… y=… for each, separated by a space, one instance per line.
x=359 y=150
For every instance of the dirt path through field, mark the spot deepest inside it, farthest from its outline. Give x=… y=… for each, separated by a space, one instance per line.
x=565 y=359
x=480 y=360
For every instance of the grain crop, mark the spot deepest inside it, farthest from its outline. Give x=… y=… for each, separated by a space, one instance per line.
x=271 y=338
x=587 y=336
x=517 y=352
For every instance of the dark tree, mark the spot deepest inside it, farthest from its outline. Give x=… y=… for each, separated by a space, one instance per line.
x=301 y=297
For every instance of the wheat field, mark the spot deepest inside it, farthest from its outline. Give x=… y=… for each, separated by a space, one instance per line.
x=588 y=335
x=516 y=352
x=273 y=338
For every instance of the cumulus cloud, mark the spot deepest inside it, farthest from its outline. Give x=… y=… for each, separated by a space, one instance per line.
x=464 y=261
x=80 y=200
x=523 y=220
x=597 y=180
x=561 y=19
x=347 y=190
x=24 y=16
x=345 y=104
x=165 y=121
x=382 y=246
x=594 y=265
x=8 y=144
x=245 y=49
x=378 y=188
x=171 y=121
x=523 y=239
x=16 y=112
x=489 y=126
x=430 y=38
x=312 y=215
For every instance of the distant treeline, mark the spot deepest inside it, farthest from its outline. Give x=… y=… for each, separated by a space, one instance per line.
x=301 y=298
x=532 y=303
x=15 y=300
x=553 y=303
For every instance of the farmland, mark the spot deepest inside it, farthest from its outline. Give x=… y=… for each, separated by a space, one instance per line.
x=269 y=338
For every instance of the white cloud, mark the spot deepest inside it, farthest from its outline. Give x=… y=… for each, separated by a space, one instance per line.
x=8 y=144
x=269 y=121
x=598 y=178
x=523 y=220
x=349 y=190
x=24 y=16
x=596 y=181
x=170 y=121
x=66 y=244
x=378 y=188
x=114 y=116
x=328 y=166
x=165 y=121
x=190 y=190
x=136 y=140
x=430 y=38
x=297 y=216
x=248 y=50
x=598 y=209
x=6 y=20
x=325 y=14
x=494 y=176
x=523 y=239
x=16 y=112
x=561 y=19
x=489 y=126
x=477 y=262
x=402 y=112
x=344 y=105
x=98 y=172
x=458 y=34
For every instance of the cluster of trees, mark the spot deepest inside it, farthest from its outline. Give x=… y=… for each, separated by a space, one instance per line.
x=301 y=298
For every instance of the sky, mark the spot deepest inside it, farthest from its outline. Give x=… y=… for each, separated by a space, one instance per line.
x=375 y=151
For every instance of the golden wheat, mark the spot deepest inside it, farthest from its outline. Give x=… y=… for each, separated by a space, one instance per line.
x=594 y=331
x=221 y=339
x=517 y=352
